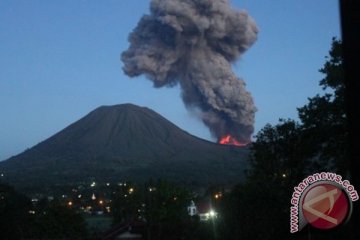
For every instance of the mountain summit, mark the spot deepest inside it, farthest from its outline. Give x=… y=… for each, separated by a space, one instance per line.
x=125 y=142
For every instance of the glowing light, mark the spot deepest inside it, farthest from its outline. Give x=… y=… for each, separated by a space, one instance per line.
x=131 y=190
x=212 y=213
x=93 y=197
x=218 y=195
x=229 y=140
x=70 y=203
x=284 y=175
x=108 y=209
x=93 y=184
x=101 y=202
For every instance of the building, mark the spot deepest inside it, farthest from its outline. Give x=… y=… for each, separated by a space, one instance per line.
x=204 y=210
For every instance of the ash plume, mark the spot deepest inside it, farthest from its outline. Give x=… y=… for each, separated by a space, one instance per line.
x=193 y=43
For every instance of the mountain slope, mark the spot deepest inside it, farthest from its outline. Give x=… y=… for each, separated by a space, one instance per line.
x=125 y=142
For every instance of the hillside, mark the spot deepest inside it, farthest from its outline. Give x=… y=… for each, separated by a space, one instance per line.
x=125 y=142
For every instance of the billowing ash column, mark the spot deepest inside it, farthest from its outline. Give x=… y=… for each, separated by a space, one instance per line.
x=193 y=43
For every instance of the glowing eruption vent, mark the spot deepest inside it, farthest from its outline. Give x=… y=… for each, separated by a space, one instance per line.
x=229 y=140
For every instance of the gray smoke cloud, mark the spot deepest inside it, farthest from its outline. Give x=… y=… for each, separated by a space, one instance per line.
x=193 y=43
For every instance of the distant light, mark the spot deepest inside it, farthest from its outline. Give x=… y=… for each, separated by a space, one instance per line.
x=2 y=174
x=93 y=184
x=108 y=209
x=101 y=202
x=79 y=196
x=93 y=197
x=131 y=190
x=212 y=213
x=284 y=175
x=32 y=212
x=70 y=203
x=107 y=184
x=218 y=195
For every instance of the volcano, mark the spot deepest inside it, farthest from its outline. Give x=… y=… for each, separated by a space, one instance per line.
x=125 y=143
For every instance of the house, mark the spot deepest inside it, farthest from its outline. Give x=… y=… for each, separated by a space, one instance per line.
x=204 y=210
x=192 y=211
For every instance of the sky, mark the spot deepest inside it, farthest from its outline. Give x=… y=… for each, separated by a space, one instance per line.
x=59 y=60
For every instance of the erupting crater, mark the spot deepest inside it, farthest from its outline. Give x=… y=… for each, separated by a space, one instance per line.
x=229 y=140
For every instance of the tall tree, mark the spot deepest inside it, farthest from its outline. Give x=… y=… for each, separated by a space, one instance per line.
x=15 y=220
x=324 y=119
x=284 y=153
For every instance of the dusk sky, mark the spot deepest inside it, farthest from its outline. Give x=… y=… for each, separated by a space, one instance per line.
x=61 y=59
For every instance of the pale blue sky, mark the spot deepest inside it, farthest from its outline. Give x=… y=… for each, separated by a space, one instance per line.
x=60 y=60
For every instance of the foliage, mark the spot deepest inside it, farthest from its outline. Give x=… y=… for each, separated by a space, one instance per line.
x=317 y=143
x=324 y=118
x=278 y=153
x=19 y=219
x=54 y=220
x=162 y=206
x=284 y=153
x=14 y=214
x=259 y=208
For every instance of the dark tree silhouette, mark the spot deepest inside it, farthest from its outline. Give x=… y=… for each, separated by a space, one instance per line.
x=284 y=153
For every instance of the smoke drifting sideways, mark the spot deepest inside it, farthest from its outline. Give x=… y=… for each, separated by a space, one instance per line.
x=193 y=43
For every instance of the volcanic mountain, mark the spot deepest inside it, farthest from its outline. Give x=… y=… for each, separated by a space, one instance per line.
x=126 y=142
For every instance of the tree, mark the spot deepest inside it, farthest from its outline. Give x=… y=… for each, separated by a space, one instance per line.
x=324 y=120
x=15 y=220
x=285 y=153
x=161 y=205
x=54 y=220
x=259 y=208
x=278 y=153
x=19 y=219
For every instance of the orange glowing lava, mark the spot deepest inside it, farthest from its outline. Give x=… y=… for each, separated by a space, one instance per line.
x=229 y=140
